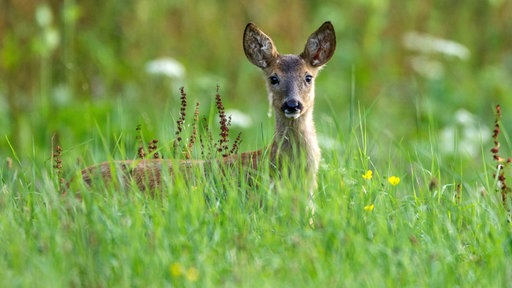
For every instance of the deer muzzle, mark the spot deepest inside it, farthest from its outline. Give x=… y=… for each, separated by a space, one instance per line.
x=292 y=108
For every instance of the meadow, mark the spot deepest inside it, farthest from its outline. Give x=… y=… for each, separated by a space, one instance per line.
x=413 y=179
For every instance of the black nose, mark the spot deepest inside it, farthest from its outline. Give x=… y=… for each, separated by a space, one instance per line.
x=291 y=106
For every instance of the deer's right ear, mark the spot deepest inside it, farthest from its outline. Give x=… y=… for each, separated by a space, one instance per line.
x=258 y=47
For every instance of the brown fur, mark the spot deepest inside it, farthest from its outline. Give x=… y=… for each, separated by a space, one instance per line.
x=295 y=138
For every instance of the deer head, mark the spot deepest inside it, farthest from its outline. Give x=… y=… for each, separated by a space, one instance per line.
x=290 y=78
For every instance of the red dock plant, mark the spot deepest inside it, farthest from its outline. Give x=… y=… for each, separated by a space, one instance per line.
x=501 y=163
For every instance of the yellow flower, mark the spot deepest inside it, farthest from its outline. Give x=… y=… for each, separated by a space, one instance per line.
x=394 y=180
x=192 y=274
x=369 y=208
x=368 y=175
x=176 y=269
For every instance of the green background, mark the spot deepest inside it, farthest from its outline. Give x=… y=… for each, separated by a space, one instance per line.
x=74 y=73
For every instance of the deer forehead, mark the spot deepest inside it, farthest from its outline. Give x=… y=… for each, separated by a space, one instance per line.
x=291 y=65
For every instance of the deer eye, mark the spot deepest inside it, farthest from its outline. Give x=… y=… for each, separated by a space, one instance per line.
x=308 y=78
x=273 y=80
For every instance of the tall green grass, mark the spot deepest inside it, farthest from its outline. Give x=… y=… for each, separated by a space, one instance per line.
x=433 y=228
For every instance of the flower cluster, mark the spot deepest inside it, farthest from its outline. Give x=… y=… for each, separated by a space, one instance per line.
x=394 y=180
x=368 y=175
x=369 y=208
x=177 y=270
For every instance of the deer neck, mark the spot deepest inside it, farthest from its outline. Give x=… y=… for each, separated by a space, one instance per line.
x=296 y=140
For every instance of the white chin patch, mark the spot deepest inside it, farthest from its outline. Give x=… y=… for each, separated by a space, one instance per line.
x=292 y=115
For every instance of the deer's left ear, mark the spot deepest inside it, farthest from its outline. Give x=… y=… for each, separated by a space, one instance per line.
x=320 y=45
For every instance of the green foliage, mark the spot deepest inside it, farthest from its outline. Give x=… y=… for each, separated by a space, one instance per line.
x=74 y=73
x=432 y=228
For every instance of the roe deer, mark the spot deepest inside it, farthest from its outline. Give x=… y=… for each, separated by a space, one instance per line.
x=290 y=83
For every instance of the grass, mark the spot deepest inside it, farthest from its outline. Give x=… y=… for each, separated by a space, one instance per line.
x=73 y=74
x=433 y=228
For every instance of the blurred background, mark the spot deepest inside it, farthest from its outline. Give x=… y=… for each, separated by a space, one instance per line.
x=89 y=72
